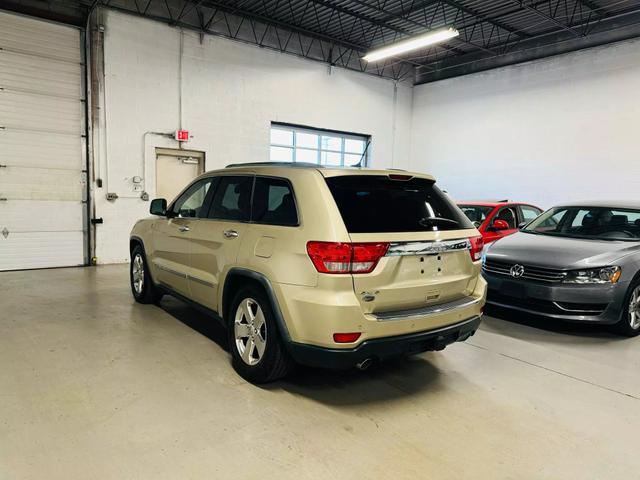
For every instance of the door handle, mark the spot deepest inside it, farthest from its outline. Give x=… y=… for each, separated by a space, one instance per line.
x=184 y=229
x=230 y=233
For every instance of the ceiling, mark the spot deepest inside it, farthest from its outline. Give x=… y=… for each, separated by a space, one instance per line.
x=493 y=33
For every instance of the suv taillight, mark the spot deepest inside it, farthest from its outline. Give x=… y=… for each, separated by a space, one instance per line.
x=477 y=244
x=337 y=257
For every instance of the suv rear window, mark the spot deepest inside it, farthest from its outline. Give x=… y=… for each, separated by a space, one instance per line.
x=378 y=204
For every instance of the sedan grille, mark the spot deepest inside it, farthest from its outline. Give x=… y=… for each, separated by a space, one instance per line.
x=538 y=274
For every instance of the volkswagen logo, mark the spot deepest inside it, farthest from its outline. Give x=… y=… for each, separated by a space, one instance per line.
x=517 y=271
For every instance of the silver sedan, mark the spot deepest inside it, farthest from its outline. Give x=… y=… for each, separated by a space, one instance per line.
x=578 y=262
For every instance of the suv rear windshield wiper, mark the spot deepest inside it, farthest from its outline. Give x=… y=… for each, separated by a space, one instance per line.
x=435 y=221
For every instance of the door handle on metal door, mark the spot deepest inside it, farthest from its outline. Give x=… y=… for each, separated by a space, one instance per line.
x=230 y=233
x=184 y=229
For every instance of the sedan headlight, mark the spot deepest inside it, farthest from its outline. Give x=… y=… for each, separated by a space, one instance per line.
x=594 y=275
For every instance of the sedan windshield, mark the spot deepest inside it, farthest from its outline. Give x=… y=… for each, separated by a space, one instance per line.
x=598 y=223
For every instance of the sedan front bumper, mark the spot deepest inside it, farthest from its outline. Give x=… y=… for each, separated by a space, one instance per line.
x=601 y=304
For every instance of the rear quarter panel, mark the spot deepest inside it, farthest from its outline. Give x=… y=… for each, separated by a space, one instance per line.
x=279 y=252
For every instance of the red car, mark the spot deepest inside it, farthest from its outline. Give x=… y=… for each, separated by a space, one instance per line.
x=495 y=220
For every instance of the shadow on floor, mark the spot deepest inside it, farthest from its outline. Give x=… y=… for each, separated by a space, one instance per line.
x=199 y=321
x=392 y=380
x=556 y=326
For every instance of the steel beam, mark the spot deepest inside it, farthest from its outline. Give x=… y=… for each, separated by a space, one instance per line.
x=549 y=18
x=619 y=27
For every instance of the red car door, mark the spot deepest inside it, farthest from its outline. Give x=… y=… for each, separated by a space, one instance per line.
x=502 y=222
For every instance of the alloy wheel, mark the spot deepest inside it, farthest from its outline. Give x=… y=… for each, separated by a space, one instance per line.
x=137 y=273
x=250 y=331
x=634 y=309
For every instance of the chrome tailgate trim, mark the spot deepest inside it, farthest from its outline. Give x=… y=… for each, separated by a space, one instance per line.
x=428 y=248
x=426 y=311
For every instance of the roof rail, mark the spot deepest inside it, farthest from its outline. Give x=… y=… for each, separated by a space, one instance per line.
x=275 y=164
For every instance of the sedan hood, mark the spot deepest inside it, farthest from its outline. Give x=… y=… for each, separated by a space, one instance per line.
x=559 y=252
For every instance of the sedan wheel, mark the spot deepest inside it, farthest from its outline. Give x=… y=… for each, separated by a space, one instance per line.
x=634 y=309
x=250 y=331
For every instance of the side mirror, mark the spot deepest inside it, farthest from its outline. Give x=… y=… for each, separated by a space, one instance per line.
x=522 y=225
x=158 y=207
x=499 y=224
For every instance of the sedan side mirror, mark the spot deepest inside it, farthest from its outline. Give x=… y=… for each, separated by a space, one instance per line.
x=522 y=225
x=500 y=224
x=158 y=207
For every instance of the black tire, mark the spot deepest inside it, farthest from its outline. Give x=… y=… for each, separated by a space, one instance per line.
x=275 y=362
x=148 y=293
x=623 y=327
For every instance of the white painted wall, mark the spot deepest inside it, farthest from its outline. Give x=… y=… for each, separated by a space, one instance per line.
x=549 y=131
x=563 y=128
x=230 y=94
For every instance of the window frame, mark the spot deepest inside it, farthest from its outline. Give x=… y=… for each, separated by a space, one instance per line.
x=514 y=211
x=205 y=203
x=320 y=132
x=487 y=217
x=435 y=199
x=293 y=194
x=218 y=180
x=215 y=182
x=522 y=206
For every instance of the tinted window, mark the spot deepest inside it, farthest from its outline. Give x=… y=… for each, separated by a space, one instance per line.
x=529 y=213
x=232 y=199
x=376 y=203
x=588 y=222
x=273 y=202
x=189 y=204
x=476 y=213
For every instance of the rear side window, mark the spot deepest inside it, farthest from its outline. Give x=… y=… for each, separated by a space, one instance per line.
x=378 y=204
x=232 y=199
x=529 y=213
x=273 y=202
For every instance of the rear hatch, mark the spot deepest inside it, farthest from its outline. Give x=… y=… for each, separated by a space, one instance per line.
x=428 y=260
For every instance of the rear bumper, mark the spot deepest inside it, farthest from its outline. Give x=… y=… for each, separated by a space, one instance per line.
x=311 y=315
x=381 y=348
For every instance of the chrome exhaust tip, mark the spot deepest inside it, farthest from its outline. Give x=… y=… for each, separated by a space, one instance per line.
x=363 y=365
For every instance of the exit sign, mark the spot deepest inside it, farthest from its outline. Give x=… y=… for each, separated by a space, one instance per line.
x=182 y=135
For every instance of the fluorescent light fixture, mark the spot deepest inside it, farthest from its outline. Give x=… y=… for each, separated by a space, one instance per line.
x=412 y=43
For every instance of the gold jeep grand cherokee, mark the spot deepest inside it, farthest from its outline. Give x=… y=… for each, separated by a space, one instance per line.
x=318 y=266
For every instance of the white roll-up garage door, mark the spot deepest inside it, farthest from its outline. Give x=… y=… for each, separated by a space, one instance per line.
x=42 y=171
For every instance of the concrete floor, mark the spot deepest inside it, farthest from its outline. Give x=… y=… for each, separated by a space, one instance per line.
x=95 y=386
